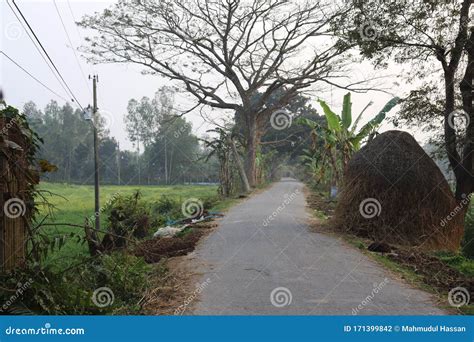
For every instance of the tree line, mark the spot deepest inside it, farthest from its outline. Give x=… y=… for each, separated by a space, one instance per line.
x=171 y=153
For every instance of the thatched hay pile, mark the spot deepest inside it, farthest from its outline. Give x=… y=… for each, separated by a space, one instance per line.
x=393 y=192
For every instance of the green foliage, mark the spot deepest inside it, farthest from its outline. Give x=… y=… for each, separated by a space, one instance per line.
x=127 y=276
x=68 y=287
x=43 y=290
x=165 y=209
x=346 y=115
x=72 y=203
x=333 y=121
x=170 y=155
x=346 y=138
x=128 y=216
x=334 y=144
x=458 y=261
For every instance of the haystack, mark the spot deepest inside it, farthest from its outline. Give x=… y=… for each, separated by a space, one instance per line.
x=393 y=192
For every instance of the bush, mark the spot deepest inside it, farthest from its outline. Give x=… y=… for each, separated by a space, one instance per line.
x=128 y=216
x=42 y=291
x=127 y=276
x=164 y=210
x=76 y=291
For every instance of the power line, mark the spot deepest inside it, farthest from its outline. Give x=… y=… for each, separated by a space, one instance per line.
x=71 y=44
x=33 y=77
x=37 y=48
x=47 y=55
x=81 y=38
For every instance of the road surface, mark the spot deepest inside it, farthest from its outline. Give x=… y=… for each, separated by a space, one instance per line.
x=263 y=260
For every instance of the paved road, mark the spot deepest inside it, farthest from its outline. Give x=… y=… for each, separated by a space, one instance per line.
x=263 y=260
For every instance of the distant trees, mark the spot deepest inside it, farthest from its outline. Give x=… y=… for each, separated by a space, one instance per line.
x=222 y=53
x=172 y=153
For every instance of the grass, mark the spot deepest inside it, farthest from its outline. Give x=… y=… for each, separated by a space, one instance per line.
x=73 y=203
x=458 y=261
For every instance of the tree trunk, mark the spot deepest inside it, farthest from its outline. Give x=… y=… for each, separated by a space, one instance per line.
x=240 y=166
x=252 y=145
x=465 y=180
x=450 y=132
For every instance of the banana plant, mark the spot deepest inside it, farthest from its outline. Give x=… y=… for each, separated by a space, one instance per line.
x=341 y=137
x=344 y=135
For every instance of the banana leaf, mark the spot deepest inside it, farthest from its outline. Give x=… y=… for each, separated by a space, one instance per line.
x=346 y=115
x=334 y=123
x=377 y=120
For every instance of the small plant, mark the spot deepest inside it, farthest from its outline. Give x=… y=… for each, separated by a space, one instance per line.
x=164 y=210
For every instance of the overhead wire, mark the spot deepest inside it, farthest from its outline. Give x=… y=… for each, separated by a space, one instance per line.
x=33 y=77
x=39 y=51
x=71 y=44
x=47 y=55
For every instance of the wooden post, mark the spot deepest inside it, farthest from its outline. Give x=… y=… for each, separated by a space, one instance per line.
x=96 y=155
x=13 y=209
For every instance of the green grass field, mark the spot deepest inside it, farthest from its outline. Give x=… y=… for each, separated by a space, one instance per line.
x=73 y=203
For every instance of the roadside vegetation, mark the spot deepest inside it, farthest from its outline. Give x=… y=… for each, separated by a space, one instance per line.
x=258 y=71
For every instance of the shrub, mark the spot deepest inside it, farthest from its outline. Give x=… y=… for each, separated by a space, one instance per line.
x=128 y=217
x=42 y=290
x=126 y=275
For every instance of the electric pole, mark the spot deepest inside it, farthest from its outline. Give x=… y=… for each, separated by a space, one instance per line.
x=118 y=162
x=96 y=153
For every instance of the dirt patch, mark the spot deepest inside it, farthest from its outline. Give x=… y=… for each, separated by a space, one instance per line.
x=156 y=249
x=170 y=284
x=173 y=279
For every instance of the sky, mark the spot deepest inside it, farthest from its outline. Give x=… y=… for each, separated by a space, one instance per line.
x=118 y=83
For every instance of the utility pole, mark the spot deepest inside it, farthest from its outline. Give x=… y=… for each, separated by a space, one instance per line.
x=96 y=153
x=118 y=162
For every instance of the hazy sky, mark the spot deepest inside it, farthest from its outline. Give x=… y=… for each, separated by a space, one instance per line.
x=117 y=83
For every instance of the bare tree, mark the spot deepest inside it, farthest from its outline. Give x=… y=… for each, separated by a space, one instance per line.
x=224 y=52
